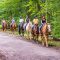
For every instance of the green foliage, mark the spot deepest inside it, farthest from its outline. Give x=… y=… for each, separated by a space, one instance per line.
x=0 y=26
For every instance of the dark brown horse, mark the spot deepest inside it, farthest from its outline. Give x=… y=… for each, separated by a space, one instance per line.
x=4 y=25
x=13 y=27
x=35 y=32
x=44 y=34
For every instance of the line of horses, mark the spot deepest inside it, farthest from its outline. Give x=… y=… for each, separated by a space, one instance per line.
x=34 y=33
x=12 y=26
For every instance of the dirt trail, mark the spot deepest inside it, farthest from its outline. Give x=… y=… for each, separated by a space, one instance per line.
x=12 y=48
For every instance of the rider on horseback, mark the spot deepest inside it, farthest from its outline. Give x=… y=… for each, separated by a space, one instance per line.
x=43 y=21
x=35 y=22
x=3 y=21
x=13 y=21
x=21 y=20
x=27 y=21
x=20 y=26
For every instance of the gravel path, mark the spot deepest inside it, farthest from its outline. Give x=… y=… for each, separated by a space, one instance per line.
x=12 y=48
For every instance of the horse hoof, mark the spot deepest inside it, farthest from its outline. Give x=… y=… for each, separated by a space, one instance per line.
x=46 y=45
x=42 y=44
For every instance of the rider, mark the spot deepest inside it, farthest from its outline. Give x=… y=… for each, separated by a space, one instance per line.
x=43 y=21
x=3 y=21
x=35 y=21
x=21 y=20
x=27 y=19
x=21 y=23
x=13 y=21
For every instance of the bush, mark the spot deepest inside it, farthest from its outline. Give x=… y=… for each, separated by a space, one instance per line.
x=0 y=26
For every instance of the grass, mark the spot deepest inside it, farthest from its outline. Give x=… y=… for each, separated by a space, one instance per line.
x=54 y=43
x=0 y=26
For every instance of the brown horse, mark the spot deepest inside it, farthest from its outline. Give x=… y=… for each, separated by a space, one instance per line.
x=44 y=34
x=13 y=26
x=4 y=25
x=35 y=32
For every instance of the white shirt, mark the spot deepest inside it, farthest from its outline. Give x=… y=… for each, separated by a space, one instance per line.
x=21 y=20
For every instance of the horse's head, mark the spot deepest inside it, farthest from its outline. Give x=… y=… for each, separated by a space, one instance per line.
x=4 y=25
x=29 y=24
x=13 y=26
x=44 y=29
x=35 y=30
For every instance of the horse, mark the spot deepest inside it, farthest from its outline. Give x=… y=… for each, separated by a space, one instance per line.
x=20 y=28
x=4 y=26
x=35 y=32
x=44 y=32
x=28 y=30
x=13 y=27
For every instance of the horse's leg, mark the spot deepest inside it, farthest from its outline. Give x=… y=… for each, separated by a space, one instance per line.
x=11 y=27
x=22 y=31
x=33 y=36
x=3 y=28
x=45 y=37
x=15 y=28
x=19 y=30
x=37 y=36
x=30 y=35
x=27 y=35
x=42 y=38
